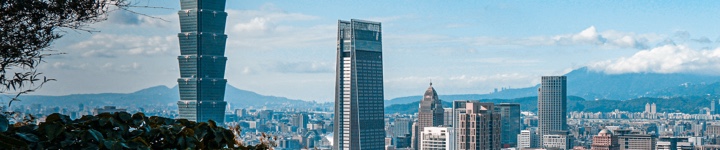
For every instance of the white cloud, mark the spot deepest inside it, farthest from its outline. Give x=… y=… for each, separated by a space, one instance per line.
x=121 y=68
x=63 y=65
x=664 y=59
x=112 y=45
x=263 y=20
x=591 y=36
x=305 y=67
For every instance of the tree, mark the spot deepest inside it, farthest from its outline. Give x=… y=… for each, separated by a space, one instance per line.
x=27 y=30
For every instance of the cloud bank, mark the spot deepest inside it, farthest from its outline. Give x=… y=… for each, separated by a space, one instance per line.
x=664 y=59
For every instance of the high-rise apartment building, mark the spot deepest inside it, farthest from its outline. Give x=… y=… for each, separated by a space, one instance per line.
x=653 y=108
x=359 y=122
x=300 y=120
x=510 y=120
x=202 y=60
x=552 y=106
x=430 y=112
x=478 y=127
x=437 y=138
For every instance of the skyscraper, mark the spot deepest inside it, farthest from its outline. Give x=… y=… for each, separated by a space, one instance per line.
x=510 y=119
x=653 y=108
x=552 y=104
x=478 y=127
x=202 y=60
x=447 y=121
x=359 y=121
x=430 y=113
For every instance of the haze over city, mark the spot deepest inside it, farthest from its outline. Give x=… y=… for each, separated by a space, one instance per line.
x=287 y=48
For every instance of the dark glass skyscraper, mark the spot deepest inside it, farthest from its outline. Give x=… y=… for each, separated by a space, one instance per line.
x=359 y=122
x=510 y=120
x=202 y=60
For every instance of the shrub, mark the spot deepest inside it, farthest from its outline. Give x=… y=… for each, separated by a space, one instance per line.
x=119 y=131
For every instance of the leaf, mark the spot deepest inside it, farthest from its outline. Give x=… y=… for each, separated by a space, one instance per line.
x=97 y=136
x=4 y=123
x=32 y=138
x=123 y=116
x=52 y=118
x=52 y=130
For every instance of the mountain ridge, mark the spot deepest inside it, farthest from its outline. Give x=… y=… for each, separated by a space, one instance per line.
x=595 y=85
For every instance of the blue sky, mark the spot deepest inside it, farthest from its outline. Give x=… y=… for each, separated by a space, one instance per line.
x=287 y=48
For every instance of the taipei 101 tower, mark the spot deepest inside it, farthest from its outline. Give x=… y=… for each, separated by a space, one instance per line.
x=202 y=60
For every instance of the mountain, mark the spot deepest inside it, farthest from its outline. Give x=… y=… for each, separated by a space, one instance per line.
x=596 y=85
x=526 y=104
x=161 y=95
x=689 y=104
x=593 y=85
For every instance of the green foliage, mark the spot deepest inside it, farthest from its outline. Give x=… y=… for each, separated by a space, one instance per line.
x=120 y=131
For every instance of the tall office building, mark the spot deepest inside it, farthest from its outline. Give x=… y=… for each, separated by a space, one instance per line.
x=478 y=127
x=202 y=60
x=510 y=119
x=430 y=112
x=552 y=105
x=359 y=121
x=447 y=115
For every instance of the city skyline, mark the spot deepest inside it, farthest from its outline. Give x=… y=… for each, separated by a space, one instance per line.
x=485 y=47
x=516 y=81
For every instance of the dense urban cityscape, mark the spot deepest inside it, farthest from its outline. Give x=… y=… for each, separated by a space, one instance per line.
x=358 y=118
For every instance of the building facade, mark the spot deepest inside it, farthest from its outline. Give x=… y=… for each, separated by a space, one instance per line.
x=605 y=140
x=402 y=127
x=202 y=60
x=478 y=127
x=636 y=141
x=524 y=139
x=510 y=120
x=556 y=141
x=437 y=138
x=430 y=112
x=359 y=122
x=448 y=115
x=552 y=105
x=712 y=130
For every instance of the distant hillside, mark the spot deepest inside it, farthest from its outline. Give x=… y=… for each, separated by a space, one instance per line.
x=593 y=85
x=156 y=95
x=690 y=104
